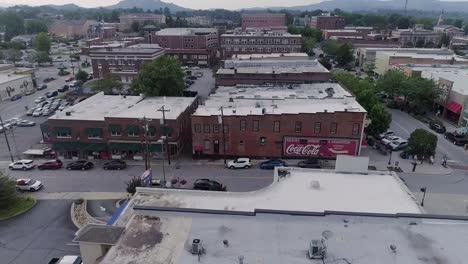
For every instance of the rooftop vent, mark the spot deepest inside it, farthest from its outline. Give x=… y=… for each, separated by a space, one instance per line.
x=317 y=249
x=257 y=105
x=197 y=247
x=68 y=113
x=263 y=110
x=231 y=99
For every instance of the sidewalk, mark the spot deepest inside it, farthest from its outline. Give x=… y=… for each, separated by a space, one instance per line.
x=380 y=161
x=444 y=204
x=78 y=195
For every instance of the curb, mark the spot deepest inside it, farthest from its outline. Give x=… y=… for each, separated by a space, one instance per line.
x=22 y=212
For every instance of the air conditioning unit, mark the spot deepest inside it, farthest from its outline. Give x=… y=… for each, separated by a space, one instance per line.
x=317 y=249
x=197 y=247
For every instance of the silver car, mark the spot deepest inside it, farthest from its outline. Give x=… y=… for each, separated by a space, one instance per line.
x=37 y=112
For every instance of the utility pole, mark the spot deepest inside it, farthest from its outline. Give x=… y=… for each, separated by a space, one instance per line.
x=145 y=138
x=6 y=139
x=406 y=7
x=165 y=133
x=224 y=135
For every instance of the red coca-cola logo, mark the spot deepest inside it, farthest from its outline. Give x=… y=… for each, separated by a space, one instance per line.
x=306 y=150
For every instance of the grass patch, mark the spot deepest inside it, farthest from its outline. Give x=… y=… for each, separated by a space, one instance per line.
x=22 y=204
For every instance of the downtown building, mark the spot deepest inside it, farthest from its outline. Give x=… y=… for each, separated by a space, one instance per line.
x=273 y=21
x=192 y=46
x=127 y=20
x=122 y=61
x=122 y=127
x=327 y=21
x=280 y=121
x=259 y=42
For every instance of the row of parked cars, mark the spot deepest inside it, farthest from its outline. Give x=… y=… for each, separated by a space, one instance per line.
x=459 y=139
x=392 y=141
x=10 y=123
x=55 y=164
x=245 y=163
x=46 y=107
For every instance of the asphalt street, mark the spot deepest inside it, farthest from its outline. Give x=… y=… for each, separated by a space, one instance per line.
x=42 y=233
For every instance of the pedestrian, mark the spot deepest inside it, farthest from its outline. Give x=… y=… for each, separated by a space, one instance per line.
x=438 y=113
x=431 y=159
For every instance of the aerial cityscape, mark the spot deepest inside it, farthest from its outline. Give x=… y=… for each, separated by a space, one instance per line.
x=267 y=132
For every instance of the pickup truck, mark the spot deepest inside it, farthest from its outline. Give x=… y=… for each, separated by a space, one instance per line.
x=67 y=260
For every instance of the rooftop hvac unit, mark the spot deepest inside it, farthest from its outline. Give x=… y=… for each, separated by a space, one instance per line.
x=317 y=249
x=197 y=246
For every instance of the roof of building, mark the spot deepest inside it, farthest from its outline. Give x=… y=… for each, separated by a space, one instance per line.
x=279 y=66
x=260 y=33
x=243 y=100
x=157 y=237
x=186 y=31
x=411 y=50
x=119 y=48
x=12 y=74
x=417 y=55
x=375 y=192
x=341 y=30
x=296 y=55
x=100 y=234
x=458 y=75
x=100 y=106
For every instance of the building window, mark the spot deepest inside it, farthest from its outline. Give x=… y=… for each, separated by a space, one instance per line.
x=197 y=128
x=356 y=128
x=115 y=130
x=241 y=143
x=206 y=128
x=298 y=127
x=243 y=125
x=262 y=141
x=226 y=129
x=133 y=131
x=317 y=127
x=333 y=128
x=207 y=144
x=63 y=132
x=151 y=131
x=215 y=128
x=276 y=126
x=94 y=133
x=256 y=126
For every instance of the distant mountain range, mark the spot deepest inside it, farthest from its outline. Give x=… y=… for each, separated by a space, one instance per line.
x=147 y=4
x=66 y=7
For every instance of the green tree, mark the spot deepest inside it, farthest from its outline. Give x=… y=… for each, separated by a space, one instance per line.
x=458 y=23
x=404 y=22
x=293 y=30
x=35 y=26
x=161 y=77
x=344 y=54
x=422 y=143
x=42 y=42
x=108 y=84
x=325 y=63
x=135 y=26
x=13 y=55
x=393 y=83
x=8 y=193
x=133 y=184
x=380 y=119
x=419 y=43
x=444 y=40
x=81 y=76
x=42 y=57
x=309 y=45
x=12 y=23
x=422 y=94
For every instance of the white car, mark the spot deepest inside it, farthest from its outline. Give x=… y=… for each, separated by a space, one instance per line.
x=398 y=145
x=28 y=185
x=37 y=112
x=40 y=99
x=239 y=163
x=386 y=134
x=389 y=139
x=21 y=165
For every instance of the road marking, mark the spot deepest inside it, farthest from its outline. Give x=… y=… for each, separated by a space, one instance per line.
x=72 y=244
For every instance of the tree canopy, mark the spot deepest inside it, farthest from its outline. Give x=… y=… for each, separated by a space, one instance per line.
x=343 y=52
x=42 y=42
x=108 y=84
x=422 y=143
x=161 y=77
x=81 y=76
x=7 y=191
x=35 y=26
x=12 y=23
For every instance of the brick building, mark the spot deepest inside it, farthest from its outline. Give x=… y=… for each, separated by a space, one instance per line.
x=71 y=29
x=326 y=21
x=127 y=20
x=112 y=126
x=413 y=37
x=124 y=62
x=330 y=33
x=259 y=70
x=101 y=31
x=195 y=46
x=259 y=42
x=263 y=20
x=299 y=121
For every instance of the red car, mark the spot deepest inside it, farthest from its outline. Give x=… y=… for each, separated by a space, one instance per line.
x=69 y=79
x=51 y=165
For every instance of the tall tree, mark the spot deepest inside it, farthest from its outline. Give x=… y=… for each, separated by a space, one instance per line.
x=422 y=143
x=42 y=42
x=458 y=23
x=344 y=54
x=108 y=84
x=393 y=82
x=444 y=40
x=12 y=23
x=161 y=77
x=380 y=119
x=7 y=191
x=13 y=55
x=81 y=76
x=42 y=57
x=35 y=26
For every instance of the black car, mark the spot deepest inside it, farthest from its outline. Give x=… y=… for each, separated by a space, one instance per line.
x=310 y=163
x=51 y=94
x=80 y=165
x=115 y=165
x=457 y=139
x=437 y=127
x=64 y=88
x=208 y=185
x=42 y=87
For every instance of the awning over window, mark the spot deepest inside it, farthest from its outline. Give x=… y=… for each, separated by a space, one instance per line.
x=454 y=107
x=133 y=129
x=62 y=130
x=166 y=131
x=125 y=146
x=97 y=132
x=152 y=130
x=78 y=146
x=115 y=128
x=156 y=148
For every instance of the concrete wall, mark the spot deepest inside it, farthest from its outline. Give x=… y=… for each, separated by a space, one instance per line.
x=14 y=87
x=91 y=252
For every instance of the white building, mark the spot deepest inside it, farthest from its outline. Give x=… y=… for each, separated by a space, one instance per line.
x=14 y=81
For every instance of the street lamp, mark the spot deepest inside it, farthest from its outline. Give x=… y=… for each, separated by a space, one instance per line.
x=423 y=190
x=390 y=158
x=224 y=135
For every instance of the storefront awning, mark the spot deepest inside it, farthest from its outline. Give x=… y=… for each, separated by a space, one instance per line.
x=78 y=146
x=454 y=107
x=125 y=146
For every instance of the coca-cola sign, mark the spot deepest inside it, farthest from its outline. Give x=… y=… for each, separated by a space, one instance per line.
x=319 y=147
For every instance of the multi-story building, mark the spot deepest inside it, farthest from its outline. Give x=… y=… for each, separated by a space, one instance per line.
x=127 y=20
x=274 y=21
x=200 y=21
x=124 y=62
x=331 y=33
x=451 y=31
x=274 y=68
x=259 y=42
x=195 y=46
x=327 y=21
x=292 y=121
x=114 y=126
x=417 y=37
x=101 y=31
x=71 y=29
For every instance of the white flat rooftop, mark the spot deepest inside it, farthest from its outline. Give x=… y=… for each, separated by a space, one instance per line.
x=269 y=56
x=417 y=55
x=376 y=192
x=271 y=66
x=243 y=100
x=185 y=31
x=100 y=106
x=9 y=75
x=458 y=75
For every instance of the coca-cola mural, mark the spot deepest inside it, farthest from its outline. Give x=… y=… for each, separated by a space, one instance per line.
x=315 y=147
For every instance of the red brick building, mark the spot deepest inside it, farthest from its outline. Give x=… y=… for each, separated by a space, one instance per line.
x=299 y=121
x=331 y=33
x=112 y=126
x=263 y=20
x=195 y=46
x=266 y=71
x=259 y=42
x=328 y=22
x=124 y=62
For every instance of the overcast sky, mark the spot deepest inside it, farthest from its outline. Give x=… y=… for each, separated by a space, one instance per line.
x=195 y=4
